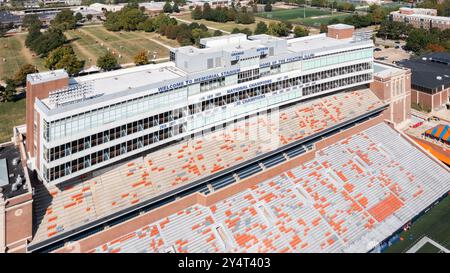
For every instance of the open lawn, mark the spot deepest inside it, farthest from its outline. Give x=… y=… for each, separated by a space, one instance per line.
x=317 y=21
x=14 y=54
x=11 y=114
x=435 y=224
x=89 y=43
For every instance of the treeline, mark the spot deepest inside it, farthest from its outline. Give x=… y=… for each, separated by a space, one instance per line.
x=442 y=7
x=279 y=29
x=417 y=40
x=44 y=42
x=51 y=45
x=376 y=15
x=132 y=18
x=186 y=34
x=223 y=14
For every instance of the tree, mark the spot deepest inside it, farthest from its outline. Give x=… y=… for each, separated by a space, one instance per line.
x=128 y=18
x=147 y=25
x=417 y=40
x=64 y=57
x=141 y=58
x=217 y=33
x=278 y=29
x=10 y=92
x=64 y=20
x=207 y=12
x=197 y=13
x=43 y=43
x=167 y=7
x=435 y=48
x=323 y=28
x=2 y=93
x=245 y=18
x=300 y=31
x=78 y=16
x=246 y=31
x=107 y=61
x=20 y=77
x=31 y=20
x=175 y=8
x=268 y=7
x=89 y=17
x=261 y=28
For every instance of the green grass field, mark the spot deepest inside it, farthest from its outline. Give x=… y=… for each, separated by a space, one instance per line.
x=87 y=44
x=11 y=58
x=316 y=22
x=11 y=114
x=435 y=224
x=310 y=17
x=428 y=248
x=293 y=14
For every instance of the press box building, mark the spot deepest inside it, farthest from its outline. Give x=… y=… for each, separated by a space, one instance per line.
x=76 y=125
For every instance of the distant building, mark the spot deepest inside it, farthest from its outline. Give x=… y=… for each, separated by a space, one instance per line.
x=85 y=10
x=430 y=85
x=7 y=17
x=421 y=18
x=153 y=7
x=15 y=199
x=210 y=2
x=102 y=7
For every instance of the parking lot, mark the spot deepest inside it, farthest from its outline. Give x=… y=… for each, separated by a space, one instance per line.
x=393 y=53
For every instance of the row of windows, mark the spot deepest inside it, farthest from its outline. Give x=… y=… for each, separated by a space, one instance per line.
x=248 y=75
x=110 y=135
x=212 y=84
x=143 y=124
x=143 y=141
x=98 y=117
x=335 y=84
x=333 y=59
x=111 y=152
x=92 y=119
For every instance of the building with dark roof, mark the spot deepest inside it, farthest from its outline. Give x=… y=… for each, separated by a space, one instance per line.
x=430 y=84
x=7 y=17
x=15 y=198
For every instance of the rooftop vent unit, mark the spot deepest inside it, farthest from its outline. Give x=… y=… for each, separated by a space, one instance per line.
x=439 y=78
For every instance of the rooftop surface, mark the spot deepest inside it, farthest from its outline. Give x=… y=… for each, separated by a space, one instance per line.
x=138 y=79
x=14 y=168
x=385 y=70
x=430 y=71
x=64 y=208
x=118 y=80
x=353 y=195
x=41 y=77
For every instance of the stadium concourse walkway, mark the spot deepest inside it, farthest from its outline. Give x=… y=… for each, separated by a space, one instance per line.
x=58 y=210
x=349 y=197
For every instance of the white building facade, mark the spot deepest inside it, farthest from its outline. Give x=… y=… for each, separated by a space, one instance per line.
x=100 y=119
